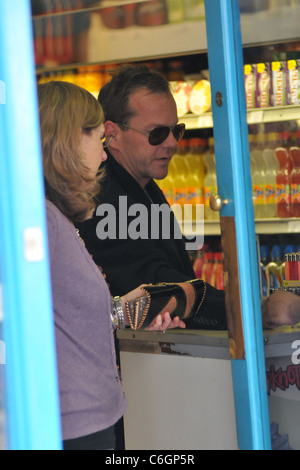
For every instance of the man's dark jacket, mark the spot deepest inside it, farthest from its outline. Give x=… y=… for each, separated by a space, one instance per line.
x=128 y=263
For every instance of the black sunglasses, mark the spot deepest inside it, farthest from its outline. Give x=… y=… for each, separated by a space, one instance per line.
x=160 y=134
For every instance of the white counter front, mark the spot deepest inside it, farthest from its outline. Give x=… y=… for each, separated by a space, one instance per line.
x=179 y=388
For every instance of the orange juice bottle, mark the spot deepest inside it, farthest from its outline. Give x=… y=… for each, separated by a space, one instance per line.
x=217 y=276
x=295 y=176
x=258 y=177
x=196 y=172
x=167 y=184
x=270 y=174
x=283 y=178
x=180 y=173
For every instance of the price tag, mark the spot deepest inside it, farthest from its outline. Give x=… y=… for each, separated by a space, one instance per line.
x=255 y=117
x=205 y=121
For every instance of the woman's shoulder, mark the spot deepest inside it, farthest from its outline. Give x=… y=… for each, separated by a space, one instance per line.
x=54 y=215
x=51 y=208
x=56 y=221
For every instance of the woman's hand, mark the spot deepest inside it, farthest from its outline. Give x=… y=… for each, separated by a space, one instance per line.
x=162 y=322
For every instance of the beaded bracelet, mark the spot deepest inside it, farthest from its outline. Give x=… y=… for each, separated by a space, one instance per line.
x=117 y=315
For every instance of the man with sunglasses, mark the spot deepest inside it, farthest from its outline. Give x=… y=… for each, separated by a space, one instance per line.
x=142 y=132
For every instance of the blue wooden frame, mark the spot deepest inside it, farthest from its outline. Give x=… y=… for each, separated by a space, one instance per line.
x=31 y=399
x=234 y=183
x=32 y=403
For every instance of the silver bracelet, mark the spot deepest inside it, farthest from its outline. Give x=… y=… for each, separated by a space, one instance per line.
x=118 y=314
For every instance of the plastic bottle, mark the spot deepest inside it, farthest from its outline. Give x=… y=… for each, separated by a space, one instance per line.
x=217 y=278
x=167 y=184
x=252 y=161
x=208 y=266
x=270 y=174
x=151 y=13
x=283 y=197
x=180 y=172
x=199 y=261
x=264 y=258
x=281 y=270
x=288 y=250
x=210 y=181
x=196 y=172
x=175 y=11
x=194 y=9
x=258 y=177
x=175 y=71
x=295 y=176
x=273 y=268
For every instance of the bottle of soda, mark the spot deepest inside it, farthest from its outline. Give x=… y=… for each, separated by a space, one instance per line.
x=180 y=173
x=208 y=266
x=217 y=276
x=295 y=176
x=283 y=178
x=196 y=172
x=258 y=177
x=270 y=173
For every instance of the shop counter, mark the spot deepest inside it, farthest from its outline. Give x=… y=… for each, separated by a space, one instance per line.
x=179 y=389
x=282 y=352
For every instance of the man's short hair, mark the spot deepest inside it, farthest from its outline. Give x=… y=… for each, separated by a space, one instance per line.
x=114 y=96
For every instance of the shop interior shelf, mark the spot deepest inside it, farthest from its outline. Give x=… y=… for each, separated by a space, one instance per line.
x=262 y=226
x=254 y=116
x=185 y=37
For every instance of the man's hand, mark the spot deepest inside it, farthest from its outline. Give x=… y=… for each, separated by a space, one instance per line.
x=281 y=308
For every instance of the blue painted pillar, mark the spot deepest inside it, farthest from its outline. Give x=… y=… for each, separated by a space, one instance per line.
x=237 y=223
x=31 y=399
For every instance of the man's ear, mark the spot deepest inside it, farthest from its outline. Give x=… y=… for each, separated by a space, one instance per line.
x=111 y=130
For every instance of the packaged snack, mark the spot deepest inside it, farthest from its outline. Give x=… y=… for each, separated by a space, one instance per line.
x=293 y=81
x=279 y=73
x=250 y=85
x=200 y=97
x=263 y=85
x=151 y=13
x=181 y=93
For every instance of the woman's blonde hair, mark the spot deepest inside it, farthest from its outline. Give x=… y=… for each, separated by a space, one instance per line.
x=66 y=110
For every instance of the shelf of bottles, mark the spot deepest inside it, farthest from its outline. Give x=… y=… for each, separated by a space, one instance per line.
x=262 y=227
x=91 y=31
x=254 y=116
x=273 y=110
x=275 y=169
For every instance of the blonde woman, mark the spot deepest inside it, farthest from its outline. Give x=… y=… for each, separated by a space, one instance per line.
x=91 y=396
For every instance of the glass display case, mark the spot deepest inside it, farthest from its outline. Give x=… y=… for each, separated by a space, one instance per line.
x=170 y=36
